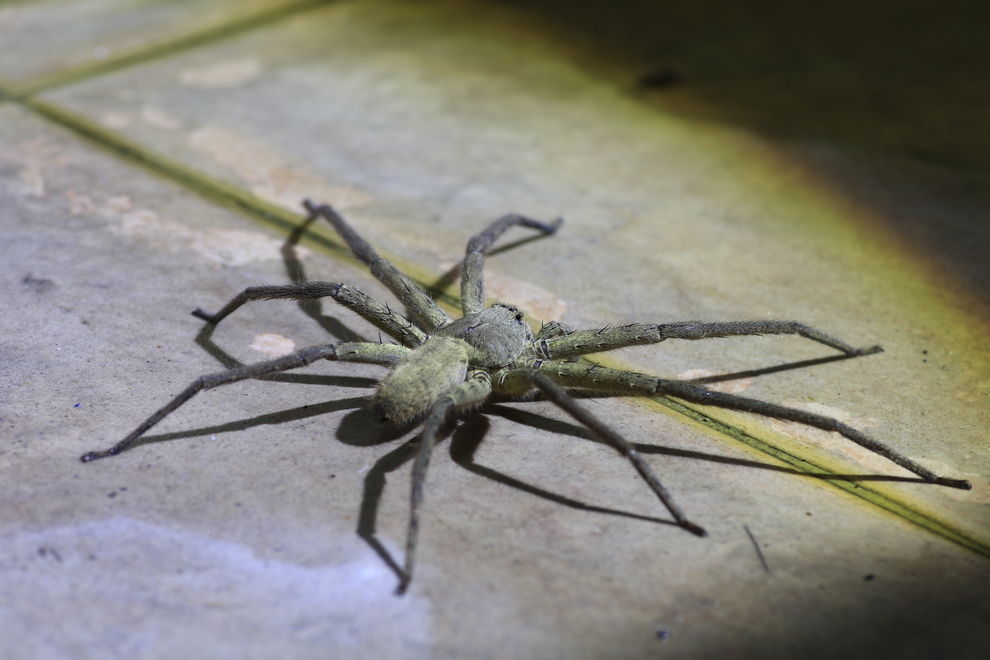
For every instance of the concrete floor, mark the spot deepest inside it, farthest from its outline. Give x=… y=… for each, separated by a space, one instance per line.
x=152 y=160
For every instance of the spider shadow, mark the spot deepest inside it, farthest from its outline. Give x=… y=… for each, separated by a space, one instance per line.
x=267 y=419
x=467 y=436
x=552 y=425
x=312 y=307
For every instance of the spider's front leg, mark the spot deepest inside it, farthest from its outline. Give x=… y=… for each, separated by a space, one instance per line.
x=602 y=379
x=422 y=308
x=381 y=316
x=472 y=268
x=582 y=342
x=472 y=392
x=385 y=354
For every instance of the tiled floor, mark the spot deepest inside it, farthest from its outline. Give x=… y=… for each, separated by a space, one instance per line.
x=152 y=157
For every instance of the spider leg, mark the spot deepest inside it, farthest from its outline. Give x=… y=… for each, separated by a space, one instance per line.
x=386 y=354
x=471 y=392
x=581 y=342
x=422 y=308
x=552 y=329
x=554 y=392
x=381 y=316
x=472 y=277
x=594 y=377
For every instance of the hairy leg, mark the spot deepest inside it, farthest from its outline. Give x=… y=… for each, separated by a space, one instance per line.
x=575 y=374
x=386 y=354
x=581 y=342
x=381 y=316
x=421 y=307
x=472 y=276
x=552 y=329
x=556 y=393
x=470 y=393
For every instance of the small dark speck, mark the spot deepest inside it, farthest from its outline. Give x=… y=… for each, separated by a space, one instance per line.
x=76 y=405
x=869 y=577
x=661 y=79
x=112 y=494
x=663 y=635
x=37 y=284
x=807 y=513
x=45 y=551
x=924 y=352
x=333 y=476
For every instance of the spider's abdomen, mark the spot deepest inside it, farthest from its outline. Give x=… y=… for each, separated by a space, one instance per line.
x=497 y=334
x=420 y=379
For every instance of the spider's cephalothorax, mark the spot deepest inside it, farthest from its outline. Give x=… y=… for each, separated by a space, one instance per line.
x=444 y=366
x=485 y=340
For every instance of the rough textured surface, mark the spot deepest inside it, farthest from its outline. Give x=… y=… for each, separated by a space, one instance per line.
x=48 y=38
x=233 y=533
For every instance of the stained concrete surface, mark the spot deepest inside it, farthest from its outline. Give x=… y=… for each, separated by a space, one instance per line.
x=234 y=531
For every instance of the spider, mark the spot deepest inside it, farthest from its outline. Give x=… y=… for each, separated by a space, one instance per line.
x=445 y=366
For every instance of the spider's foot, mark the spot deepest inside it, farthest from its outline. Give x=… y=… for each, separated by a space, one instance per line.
x=93 y=455
x=961 y=484
x=400 y=590
x=869 y=350
x=697 y=530
x=316 y=209
x=206 y=316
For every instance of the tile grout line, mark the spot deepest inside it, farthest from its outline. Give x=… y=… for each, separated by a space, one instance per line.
x=222 y=28
x=889 y=503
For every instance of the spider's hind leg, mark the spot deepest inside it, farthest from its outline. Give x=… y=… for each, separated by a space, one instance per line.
x=603 y=379
x=554 y=392
x=704 y=396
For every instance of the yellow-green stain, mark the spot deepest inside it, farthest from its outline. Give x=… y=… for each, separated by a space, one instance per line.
x=227 y=26
x=805 y=465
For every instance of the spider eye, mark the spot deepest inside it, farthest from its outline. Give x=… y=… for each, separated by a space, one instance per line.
x=519 y=316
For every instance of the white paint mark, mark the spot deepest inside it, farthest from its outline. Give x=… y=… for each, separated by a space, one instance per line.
x=119 y=204
x=267 y=173
x=159 y=118
x=116 y=119
x=229 y=247
x=273 y=344
x=531 y=298
x=221 y=75
x=33 y=179
x=79 y=204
